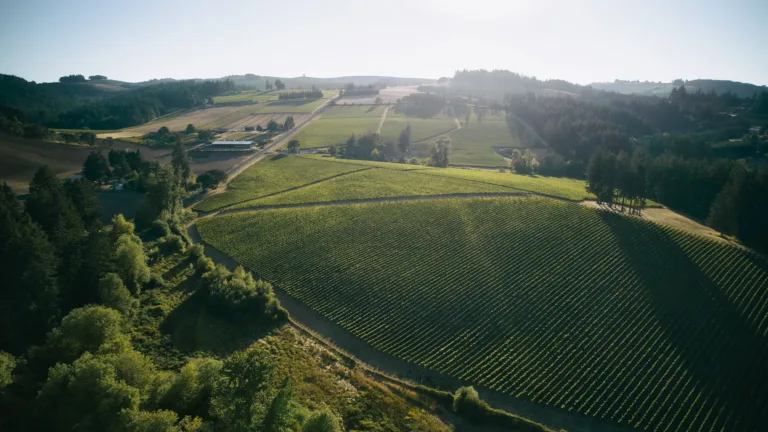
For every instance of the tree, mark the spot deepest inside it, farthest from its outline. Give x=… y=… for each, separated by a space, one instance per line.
x=131 y=263
x=467 y=403
x=332 y=150
x=121 y=227
x=440 y=154
x=70 y=79
x=83 y=196
x=180 y=162
x=86 y=395
x=28 y=264
x=96 y=167
x=238 y=399
x=272 y=126
x=163 y=131
x=404 y=142
x=119 y=163
x=7 y=365
x=323 y=420
x=522 y=163
x=114 y=294
x=293 y=146
x=601 y=176
x=289 y=123
x=211 y=179
x=190 y=129
x=279 y=84
x=280 y=416
x=93 y=329
x=97 y=77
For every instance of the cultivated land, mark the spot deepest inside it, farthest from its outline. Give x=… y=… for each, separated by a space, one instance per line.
x=262 y=96
x=387 y=95
x=474 y=143
x=274 y=174
x=335 y=131
x=421 y=129
x=20 y=158
x=282 y=180
x=548 y=301
x=349 y=111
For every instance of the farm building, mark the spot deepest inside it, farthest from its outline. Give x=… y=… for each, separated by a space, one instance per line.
x=754 y=130
x=230 y=146
x=249 y=128
x=221 y=130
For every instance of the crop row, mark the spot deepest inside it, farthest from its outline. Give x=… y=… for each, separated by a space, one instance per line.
x=563 y=305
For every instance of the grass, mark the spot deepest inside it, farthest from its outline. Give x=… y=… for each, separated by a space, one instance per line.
x=377 y=183
x=353 y=111
x=327 y=131
x=473 y=143
x=271 y=175
x=420 y=129
x=565 y=188
x=291 y=106
x=261 y=96
x=385 y=165
x=604 y=315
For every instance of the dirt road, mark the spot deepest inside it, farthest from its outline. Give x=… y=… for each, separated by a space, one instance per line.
x=383 y=118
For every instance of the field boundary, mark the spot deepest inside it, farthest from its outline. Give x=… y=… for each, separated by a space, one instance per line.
x=314 y=182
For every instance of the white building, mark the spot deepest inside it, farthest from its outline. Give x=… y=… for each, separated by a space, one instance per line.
x=230 y=146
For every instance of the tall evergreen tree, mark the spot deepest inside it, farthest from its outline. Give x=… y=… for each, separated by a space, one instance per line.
x=96 y=167
x=180 y=162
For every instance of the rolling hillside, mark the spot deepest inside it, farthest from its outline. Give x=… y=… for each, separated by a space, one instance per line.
x=545 y=301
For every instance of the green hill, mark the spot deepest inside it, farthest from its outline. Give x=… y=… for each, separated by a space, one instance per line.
x=551 y=302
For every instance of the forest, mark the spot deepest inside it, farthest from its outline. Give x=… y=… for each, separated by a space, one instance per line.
x=74 y=103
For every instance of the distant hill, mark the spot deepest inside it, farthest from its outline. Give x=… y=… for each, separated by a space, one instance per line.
x=650 y=88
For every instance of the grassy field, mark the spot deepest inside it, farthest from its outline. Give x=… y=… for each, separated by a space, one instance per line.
x=261 y=96
x=566 y=188
x=473 y=144
x=353 y=111
x=420 y=129
x=274 y=174
x=377 y=183
x=326 y=131
x=552 y=302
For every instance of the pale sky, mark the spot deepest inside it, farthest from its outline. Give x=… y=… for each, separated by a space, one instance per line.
x=579 y=40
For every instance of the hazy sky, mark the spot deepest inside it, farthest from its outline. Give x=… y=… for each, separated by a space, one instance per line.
x=577 y=40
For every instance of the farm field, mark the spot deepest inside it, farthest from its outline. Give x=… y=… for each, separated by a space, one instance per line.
x=387 y=95
x=377 y=183
x=421 y=129
x=234 y=117
x=349 y=111
x=473 y=144
x=274 y=174
x=562 y=305
x=565 y=188
x=327 y=131
x=261 y=96
x=20 y=158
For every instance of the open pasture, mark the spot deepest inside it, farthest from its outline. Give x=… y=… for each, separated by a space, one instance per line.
x=349 y=111
x=551 y=302
x=474 y=143
x=327 y=131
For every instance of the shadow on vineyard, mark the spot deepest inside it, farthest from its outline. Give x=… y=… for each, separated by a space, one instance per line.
x=718 y=347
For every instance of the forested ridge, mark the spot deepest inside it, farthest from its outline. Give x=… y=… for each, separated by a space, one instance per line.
x=77 y=104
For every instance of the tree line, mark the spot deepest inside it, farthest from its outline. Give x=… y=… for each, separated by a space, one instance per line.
x=370 y=147
x=301 y=94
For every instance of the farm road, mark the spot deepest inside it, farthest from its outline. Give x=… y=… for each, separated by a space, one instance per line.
x=383 y=118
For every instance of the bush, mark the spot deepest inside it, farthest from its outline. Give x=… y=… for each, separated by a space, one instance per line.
x=172 y=244
x=322 y=421
x=237 y=292
x=160 y=228
x=196 y=251
x=204 y=265
x=467 y=403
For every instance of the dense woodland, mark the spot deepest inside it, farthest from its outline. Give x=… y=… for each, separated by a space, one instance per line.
x=74 y=103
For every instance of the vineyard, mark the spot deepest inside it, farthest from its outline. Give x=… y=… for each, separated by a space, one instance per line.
x=548 y=301
x=274 y=174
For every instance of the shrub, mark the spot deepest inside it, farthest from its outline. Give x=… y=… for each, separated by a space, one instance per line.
x=173 y=244
x=237 y=292
x=160 y=228
x=467 y=403
x=196 y=251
